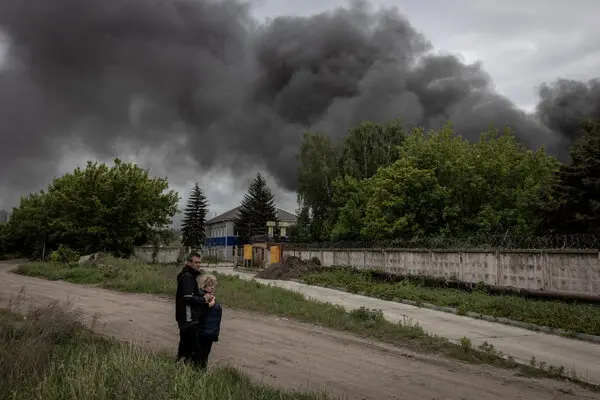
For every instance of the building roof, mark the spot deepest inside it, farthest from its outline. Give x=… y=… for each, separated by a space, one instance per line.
x=226 y=216
x=230 y=215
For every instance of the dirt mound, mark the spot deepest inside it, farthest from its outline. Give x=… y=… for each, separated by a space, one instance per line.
x=95 y=258
x=289 y=267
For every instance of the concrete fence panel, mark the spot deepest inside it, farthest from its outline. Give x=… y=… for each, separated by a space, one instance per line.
x=563 y=271
x=165 y=255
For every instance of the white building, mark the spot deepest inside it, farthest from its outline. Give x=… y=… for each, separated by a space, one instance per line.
x=221 y=238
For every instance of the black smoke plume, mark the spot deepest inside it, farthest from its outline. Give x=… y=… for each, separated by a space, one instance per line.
x=207 y=78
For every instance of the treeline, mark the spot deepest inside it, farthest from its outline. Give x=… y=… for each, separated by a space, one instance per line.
x=99 y=208
x=380 y=183
x=383 y=183
x=115 y=208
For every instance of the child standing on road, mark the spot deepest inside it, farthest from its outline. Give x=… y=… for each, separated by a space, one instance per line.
x=210 y=327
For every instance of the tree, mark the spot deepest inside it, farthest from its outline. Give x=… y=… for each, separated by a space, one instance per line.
x=318 y=165
x=258 y=207
x=350 y=198
x=300 y=232
x=371 y=146
x=96 y=208
x=4 y=245
x=573 y=201
x=193 y=229
x=367 y=148
x=29 y=226
x=404 y=202
x=440 y=184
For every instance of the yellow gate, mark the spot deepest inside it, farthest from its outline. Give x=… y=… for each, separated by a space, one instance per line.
x=275 y=254
x=247 y=252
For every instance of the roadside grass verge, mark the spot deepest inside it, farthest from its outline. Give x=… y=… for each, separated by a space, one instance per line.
x=570 y=317
x=237 y=293
x=49 y=355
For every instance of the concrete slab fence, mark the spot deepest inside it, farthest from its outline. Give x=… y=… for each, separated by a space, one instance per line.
x=561 y=271
x=165 y=254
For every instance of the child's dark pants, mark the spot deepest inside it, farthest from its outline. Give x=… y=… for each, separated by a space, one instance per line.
x=205 y=343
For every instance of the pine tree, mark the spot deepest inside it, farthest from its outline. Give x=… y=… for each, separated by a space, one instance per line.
x=258 y=207
x=193 y=231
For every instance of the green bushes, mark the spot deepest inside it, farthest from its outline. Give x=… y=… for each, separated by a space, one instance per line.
x=64 y=255
x=581 y=318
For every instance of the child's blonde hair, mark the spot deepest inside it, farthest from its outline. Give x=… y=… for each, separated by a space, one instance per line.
x=207 y=281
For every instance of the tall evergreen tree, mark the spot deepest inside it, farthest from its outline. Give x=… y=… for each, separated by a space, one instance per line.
x=193 y=232
x=258 y=207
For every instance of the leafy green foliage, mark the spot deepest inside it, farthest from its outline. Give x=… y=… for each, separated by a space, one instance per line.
x=258 y=207
x=193 y=227
x=28 y=226
x=349 y=200
x=573 y=203
x=324 y=169
x=301 y=231
x=396 y=186
x=4 y=240
x=64 y=255
x=369 y=147
x=403 y=201
x=318 y=167
x=96 y=208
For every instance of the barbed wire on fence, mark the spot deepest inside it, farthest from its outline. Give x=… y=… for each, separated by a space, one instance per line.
x=575 y=241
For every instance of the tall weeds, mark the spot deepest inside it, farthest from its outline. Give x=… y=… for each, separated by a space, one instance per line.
x=48 y=354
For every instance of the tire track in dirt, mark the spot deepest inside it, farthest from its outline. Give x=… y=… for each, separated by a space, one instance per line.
x=293 y=355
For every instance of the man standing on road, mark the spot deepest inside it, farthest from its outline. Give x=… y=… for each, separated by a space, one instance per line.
x=190 y=309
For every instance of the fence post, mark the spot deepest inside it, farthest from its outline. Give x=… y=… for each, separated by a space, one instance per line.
x=461 y=267
x=364 y=258
x=430 y=263
x=348 y=255
x=498 y=266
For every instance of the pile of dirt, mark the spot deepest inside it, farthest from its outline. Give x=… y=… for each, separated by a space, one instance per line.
x=289 y=267
x=95 y=258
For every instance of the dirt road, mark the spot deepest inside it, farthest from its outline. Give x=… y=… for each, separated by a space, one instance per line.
x=294 y=355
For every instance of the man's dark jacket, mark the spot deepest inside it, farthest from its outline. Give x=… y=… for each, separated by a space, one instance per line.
x=190 y=305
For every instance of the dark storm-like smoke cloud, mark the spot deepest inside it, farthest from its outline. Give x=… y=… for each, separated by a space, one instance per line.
x=564 y=103
x=241 y=92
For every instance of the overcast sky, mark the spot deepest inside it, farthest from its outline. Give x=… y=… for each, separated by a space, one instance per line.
x=520 y=43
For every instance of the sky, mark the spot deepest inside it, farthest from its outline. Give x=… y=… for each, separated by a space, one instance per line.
x=519 y=44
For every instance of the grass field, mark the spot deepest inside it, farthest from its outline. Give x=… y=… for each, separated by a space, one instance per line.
x=250 y=295
x=571 y=317
x=48 y=355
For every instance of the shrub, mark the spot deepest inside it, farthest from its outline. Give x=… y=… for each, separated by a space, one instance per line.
x=64 y=255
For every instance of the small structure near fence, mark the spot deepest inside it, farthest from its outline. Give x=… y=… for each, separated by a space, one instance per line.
x=262 y=254
x=571 y=272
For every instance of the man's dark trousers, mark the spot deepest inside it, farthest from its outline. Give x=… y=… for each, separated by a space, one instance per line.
x=189 y=346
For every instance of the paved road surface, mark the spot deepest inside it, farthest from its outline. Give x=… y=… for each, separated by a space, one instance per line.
x=294 y=355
